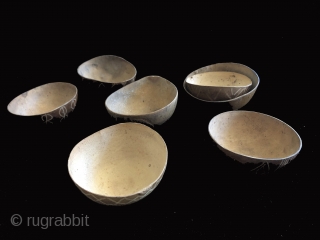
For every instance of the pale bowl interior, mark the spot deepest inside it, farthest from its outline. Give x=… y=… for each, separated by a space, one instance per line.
x=238 y=101
x=108 y=68
x=254 y=134
x=220 y=79
x=144 y=96
x=118 y=161
x=42 y=99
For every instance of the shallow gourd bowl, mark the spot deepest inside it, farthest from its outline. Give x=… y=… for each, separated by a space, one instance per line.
x=218 y=86
x=120 y=164
x=208 y=96
x=108 y=69
x=50 y=100
x=252 y=137
x=150 y=100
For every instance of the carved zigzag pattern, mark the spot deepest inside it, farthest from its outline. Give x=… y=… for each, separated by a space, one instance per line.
x=119 y=201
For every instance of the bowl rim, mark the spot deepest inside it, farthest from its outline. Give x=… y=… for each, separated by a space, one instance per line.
x=258 y=158
x=113 y=56
x=32 y=115
x=229 y=100
x=146 y=114
x=141 y=191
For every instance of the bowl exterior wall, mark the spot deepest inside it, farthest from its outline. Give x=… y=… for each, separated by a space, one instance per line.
x=251 y=160
x=61 y=112
x=156 y=118
x=120 y=201
x=242 y=101
x=216 y=93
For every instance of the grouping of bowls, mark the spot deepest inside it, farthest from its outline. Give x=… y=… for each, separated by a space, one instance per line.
x=123 y=163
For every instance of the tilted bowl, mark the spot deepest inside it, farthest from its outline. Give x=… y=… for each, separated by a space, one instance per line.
x=120 y=164
x=150 y=100
x=252 y=137
x=50 y=100
x=108 y=69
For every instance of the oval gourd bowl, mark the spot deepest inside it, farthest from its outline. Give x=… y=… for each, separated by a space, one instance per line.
x=50 y=100
x=108 y=69
x=120 y=164
x=150 y=100
x=252 y=137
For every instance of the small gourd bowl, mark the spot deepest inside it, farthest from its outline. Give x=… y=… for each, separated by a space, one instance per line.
x=50 y=100
x=151 y=100
x=108 y=69
x=252 y=137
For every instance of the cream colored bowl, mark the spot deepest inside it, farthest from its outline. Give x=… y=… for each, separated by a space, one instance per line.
x=210 y=93
x=50 y=100
x=108 y=69
x=120 y=164
x=218 y=86
x=252 y=137
x=150 y=100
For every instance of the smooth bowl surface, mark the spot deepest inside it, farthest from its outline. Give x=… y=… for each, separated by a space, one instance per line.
x=151 y=99
x=237 y=102
x=217 y=86
x=108 y=69
x=120 y=164
x=55 y=99
x=252 y=137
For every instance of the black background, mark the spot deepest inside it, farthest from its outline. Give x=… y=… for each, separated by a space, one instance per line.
x=203 y=193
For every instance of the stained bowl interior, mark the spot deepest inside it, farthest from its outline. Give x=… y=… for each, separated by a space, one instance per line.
x=108 y=68
x=228 y=67
x=219 y=79
x=143 y=96
x=254 y=135
x=118 y=161
x=42 y=99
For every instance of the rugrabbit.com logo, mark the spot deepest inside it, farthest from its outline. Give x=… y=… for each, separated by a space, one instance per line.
x=46 y=222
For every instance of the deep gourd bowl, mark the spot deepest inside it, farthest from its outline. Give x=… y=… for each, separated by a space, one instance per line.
x=252 y=137
x=108 y=69
x=120 y=164
x=150 y=100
